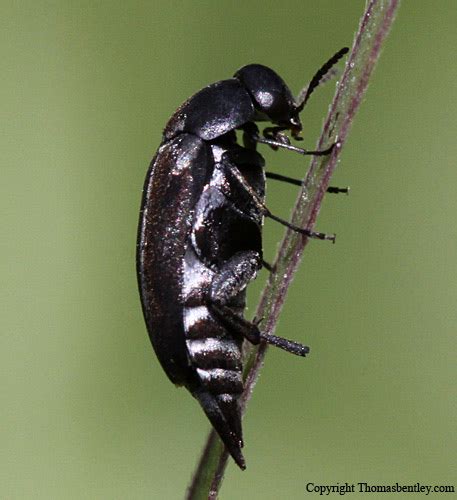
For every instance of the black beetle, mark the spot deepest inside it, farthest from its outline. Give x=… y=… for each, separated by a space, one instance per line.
x=200 y=235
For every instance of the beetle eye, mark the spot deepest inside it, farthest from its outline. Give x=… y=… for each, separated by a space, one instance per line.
x=266 y=99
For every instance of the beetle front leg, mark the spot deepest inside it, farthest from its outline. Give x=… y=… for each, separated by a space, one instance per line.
x=276 y=134
x=251 y=136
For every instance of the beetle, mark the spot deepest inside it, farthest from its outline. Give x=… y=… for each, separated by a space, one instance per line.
x=200 y=235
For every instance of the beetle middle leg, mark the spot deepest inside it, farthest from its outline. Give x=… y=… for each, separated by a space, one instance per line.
x=236 y=174
x=299 y=182
x=276 y=134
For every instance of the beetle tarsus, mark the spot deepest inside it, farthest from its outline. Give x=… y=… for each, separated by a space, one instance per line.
x=285 y=344
x=323 y=152
x=338 y=190
x=305 y=232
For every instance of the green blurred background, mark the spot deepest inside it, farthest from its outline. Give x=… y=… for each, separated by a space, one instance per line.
x=86 y=410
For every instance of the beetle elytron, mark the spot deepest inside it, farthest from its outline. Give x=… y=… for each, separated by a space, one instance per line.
x=199 y=237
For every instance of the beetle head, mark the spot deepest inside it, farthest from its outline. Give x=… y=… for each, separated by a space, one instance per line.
x=272 y=98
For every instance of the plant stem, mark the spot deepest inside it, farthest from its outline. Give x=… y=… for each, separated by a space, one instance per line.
x=373 y=30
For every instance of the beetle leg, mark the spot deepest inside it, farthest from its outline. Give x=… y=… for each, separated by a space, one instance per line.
x=278 y=144
x=305 y=232
x=251 y=136
x=337 y=190
x=233 y=276
x=250 y=131
x=276 y=134
x=267 y=266
x=299 y=182
x=251 y=332
x=266 y=212
x=283 y=178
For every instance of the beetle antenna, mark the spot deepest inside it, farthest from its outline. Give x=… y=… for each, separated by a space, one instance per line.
x=332 y=73
x=320 y=74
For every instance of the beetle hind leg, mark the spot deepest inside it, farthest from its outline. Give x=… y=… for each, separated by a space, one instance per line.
x=306 y=232
x=251 y=332
x=234 y=275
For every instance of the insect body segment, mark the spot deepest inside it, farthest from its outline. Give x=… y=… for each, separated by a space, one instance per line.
x=200 y=239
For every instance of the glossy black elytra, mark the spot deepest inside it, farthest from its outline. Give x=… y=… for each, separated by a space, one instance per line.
x=200 y=235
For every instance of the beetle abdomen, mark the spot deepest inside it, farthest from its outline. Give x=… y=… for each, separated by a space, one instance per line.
x=213 y=352
x=216 y=356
